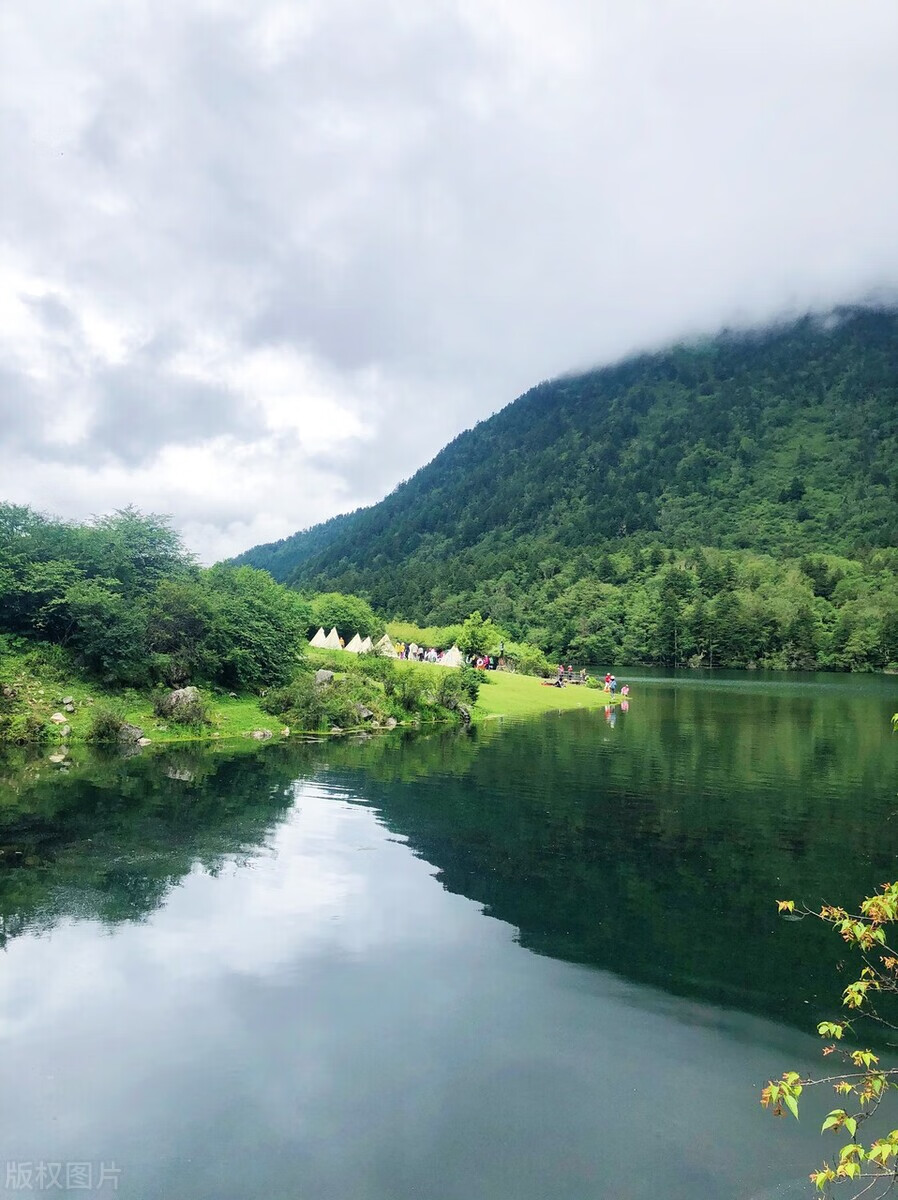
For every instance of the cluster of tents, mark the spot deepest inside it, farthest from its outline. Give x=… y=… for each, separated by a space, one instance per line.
x=331 y=641
x=385 y=647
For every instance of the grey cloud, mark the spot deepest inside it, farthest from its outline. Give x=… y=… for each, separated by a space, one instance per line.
x=53 y=313
x=18 y=410
x=140 y=411
x=462 y=198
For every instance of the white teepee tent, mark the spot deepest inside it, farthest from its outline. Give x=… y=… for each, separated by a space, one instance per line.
x=385 y=646
x=332 y=641
x=319 y=641
x=453 y=657
x=355 y=646
x=367 y=646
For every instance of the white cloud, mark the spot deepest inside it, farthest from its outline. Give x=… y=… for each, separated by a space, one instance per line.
x=275 y=256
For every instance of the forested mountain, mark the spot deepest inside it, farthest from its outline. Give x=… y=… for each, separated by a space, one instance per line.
x=776 y=452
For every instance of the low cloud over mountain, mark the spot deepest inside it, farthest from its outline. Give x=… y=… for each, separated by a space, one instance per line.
x=260 y=262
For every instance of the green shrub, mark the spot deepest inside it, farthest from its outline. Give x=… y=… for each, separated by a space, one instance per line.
x=303 y=704
x=470 y=680
x=377 y=667
x=45 y=658
x=22 y=728
x=348 y=614
x=449 y=691
x=527 y=659
x=19 y=724
x=410 y=688
x=106 y=727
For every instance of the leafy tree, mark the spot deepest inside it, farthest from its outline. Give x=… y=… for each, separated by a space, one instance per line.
x=860 y=1081
x=138 y=549
x=180 y=624
x=256 y=627
x=107 y=631
x=348 y=614
x=478 y=635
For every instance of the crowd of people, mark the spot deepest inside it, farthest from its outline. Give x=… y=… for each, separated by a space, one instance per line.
x=415 y=653
x=565 y=675
x=412 y=652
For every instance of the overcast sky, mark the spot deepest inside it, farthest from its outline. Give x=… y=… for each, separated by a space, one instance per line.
x=259 y=261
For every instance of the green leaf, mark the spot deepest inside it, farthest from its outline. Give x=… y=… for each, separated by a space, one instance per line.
x=792 y=1105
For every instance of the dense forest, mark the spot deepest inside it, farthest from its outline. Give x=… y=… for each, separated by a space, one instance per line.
x=732 y=502
x=122 y=599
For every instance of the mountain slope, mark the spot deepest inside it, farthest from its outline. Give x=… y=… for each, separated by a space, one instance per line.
x=784 y=442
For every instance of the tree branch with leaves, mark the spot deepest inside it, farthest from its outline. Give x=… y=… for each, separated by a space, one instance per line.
x=863 y=1083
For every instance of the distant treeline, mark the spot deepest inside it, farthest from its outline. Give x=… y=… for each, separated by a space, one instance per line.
x=704 y=607
x=711 y=608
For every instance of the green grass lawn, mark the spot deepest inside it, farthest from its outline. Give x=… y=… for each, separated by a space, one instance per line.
x=508 y=695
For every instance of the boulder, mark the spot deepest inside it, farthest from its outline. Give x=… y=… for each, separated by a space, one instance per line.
x=178 y=700
x=67 y=700
x=70 y=708
x=391 y=722
x=261 y=735
x=58 y=719
x=9 y=693
x=144 y=741
x=65 y=730
x=130 y=733
x=323 y=677
x=57 y=758
x=336 y=729
x=363 y=713
x=285 y=732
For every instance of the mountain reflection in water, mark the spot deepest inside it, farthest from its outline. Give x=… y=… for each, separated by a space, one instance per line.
x=284 y=969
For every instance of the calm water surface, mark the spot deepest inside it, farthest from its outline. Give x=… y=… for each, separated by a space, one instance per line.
x=535 y=961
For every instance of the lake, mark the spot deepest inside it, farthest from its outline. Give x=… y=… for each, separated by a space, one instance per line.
x=535 y=960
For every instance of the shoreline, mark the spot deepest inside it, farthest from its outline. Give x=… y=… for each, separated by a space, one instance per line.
x=62 y=711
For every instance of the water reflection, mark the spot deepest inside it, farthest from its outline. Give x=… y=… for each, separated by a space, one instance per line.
x=306 y=970
x=651 y=842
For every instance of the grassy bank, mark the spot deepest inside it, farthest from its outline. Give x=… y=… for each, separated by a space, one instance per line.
x=502 y=693
x=39 y=692
x=508 y=695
